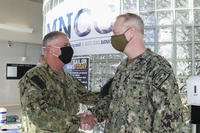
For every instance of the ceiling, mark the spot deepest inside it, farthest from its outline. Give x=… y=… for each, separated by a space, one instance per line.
x=22 y=12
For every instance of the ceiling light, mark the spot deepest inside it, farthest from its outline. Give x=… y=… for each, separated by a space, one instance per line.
x=18 y=28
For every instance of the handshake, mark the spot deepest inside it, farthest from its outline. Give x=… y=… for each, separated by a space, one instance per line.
x=87 y=121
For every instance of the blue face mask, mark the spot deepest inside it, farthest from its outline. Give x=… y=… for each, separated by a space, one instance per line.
x=66 y=54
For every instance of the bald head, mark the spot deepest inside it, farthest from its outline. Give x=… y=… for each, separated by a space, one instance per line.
x=132 y=20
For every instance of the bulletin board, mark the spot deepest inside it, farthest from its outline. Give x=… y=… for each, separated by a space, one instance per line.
x=16 y=71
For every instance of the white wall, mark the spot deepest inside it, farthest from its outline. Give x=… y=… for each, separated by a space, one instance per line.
x=9 y=93
x=19 y=12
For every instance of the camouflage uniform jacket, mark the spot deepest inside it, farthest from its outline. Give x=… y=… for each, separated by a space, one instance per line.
x=50 y=101
x=143 y=98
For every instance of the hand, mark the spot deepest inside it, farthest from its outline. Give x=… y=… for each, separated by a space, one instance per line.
x=88 y=121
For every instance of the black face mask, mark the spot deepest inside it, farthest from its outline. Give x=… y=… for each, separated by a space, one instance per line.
x=66 y=54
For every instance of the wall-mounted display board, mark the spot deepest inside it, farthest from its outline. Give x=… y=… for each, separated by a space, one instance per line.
x=16 y=71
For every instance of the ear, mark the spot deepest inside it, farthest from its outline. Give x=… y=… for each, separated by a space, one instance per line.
x=132 y=32
x=47 y=49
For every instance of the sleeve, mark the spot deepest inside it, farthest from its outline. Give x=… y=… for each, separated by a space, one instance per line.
x=85 y=96
x=100 y=101
x=100 y=110
x=102 y=107
x=39 y=111
x=166 y=101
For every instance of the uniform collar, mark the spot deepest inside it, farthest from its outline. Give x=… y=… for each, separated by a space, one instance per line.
x=51 y=71
x=139 y=58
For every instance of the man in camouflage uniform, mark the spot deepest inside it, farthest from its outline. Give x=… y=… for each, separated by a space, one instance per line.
x=49 y=96
x=143 y=96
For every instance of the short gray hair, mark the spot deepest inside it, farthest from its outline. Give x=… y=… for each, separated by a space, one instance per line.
x=133 y=20
x=52 y=35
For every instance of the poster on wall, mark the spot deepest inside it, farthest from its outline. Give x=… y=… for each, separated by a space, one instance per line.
x=87 y=23
x=79 y=69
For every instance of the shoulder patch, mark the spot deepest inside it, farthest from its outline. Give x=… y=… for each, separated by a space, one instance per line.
x=160 y=77
x=38 y=81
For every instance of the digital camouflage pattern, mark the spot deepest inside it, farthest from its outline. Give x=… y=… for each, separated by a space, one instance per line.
x=143 y=98
x=50 y=101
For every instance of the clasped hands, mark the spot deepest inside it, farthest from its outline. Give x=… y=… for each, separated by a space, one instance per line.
x=87 y=121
